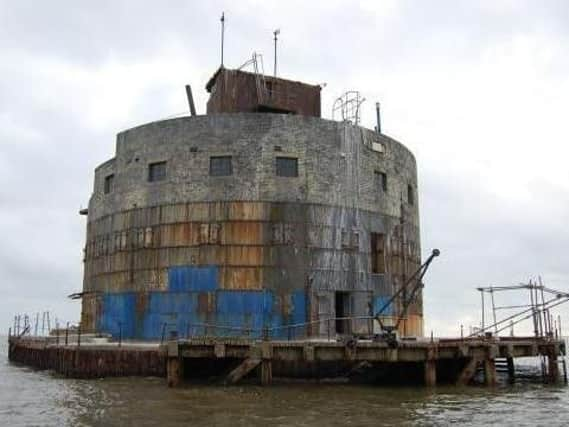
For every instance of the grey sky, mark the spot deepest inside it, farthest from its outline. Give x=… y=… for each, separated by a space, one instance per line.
x=478 y=90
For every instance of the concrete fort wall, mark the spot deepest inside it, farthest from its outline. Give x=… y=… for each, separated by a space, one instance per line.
x=251 y=249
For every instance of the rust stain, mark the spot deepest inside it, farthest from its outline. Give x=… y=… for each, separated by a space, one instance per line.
x=245 y=233
x=246 y=278
x=141 y=303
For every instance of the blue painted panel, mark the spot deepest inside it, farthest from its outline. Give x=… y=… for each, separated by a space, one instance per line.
x=379 y=303
x=243 y=310
x=298 y=307
x=188 y=278
x=118 y=313
x=178 y=310
x=236 y=313
x=172 y=302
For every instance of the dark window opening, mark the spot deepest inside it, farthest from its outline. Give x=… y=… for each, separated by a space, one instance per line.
x=377 y=243
x=109 y=183
x=156 y=171
x=381 y=181
x=410 y=195
x=342 y=304
x=287 y=166
x=276 y=110
x=220 y=166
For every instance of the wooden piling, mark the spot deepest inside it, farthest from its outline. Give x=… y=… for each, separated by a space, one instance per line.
x=511 y=370
x=173 y=371
x=552 y=367
x=489 y=372
x=266 y=372
x=431 y=373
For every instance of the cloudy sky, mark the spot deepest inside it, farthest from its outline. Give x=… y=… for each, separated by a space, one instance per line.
x=478 y=90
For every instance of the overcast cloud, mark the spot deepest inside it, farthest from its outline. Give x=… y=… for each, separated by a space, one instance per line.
x=478 y=90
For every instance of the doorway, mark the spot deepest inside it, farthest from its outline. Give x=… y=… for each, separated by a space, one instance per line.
x=342 y=305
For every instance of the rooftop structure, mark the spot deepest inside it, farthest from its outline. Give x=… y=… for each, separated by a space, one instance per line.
x=237 y=91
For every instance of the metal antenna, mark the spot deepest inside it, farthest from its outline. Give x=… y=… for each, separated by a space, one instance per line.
x=222 y=34
x=276 y=33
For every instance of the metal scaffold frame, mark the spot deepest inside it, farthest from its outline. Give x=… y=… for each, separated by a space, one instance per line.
x=538 y=309
x=349 y=106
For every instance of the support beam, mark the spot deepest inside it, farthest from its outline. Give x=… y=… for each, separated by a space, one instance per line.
x=489 y=372
x=552 y=368
x=431 y=373
x=468 y=372
x=173 y=371
x=266 y=372
x=511 y=370
x=243 y=369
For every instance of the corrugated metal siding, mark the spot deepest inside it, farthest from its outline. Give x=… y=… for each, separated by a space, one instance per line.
x=243 y=309
x=118 y=313
x=223 y=313
x=241 y=278
x=192 y=278
x=255 y=246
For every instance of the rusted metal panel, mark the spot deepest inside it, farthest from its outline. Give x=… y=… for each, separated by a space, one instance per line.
x=234 y=91
x=145 y=259
x=247 y=211
x=183 y=234
x=218 y=211
x=244 y=233
x=174 y=213
x=206 y=303
x=245 y=256
x=198 y=212
x=179 y=256
x=115 y=282
x=256 y=245
x=120 y=261
x=411 y=325
x=89 y=312
x=242 y=278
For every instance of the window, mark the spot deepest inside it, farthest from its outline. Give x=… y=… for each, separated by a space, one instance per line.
x=287 y=166
x=410 y=195
x=220 y=166
x=109 y=183
x=381 y=180
x=156 y=171
x=377 y=243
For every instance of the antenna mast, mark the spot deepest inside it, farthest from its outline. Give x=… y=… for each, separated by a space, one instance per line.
x=222 y=34
x=276 y=33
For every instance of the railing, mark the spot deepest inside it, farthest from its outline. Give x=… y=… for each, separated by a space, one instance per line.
x=288 y=332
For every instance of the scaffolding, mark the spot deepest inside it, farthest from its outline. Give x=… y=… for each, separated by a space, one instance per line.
x=541 y=301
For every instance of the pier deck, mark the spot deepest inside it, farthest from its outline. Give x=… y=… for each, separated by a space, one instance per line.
x=235 y=359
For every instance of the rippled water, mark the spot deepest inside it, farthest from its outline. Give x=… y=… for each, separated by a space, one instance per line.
x=29 y=397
